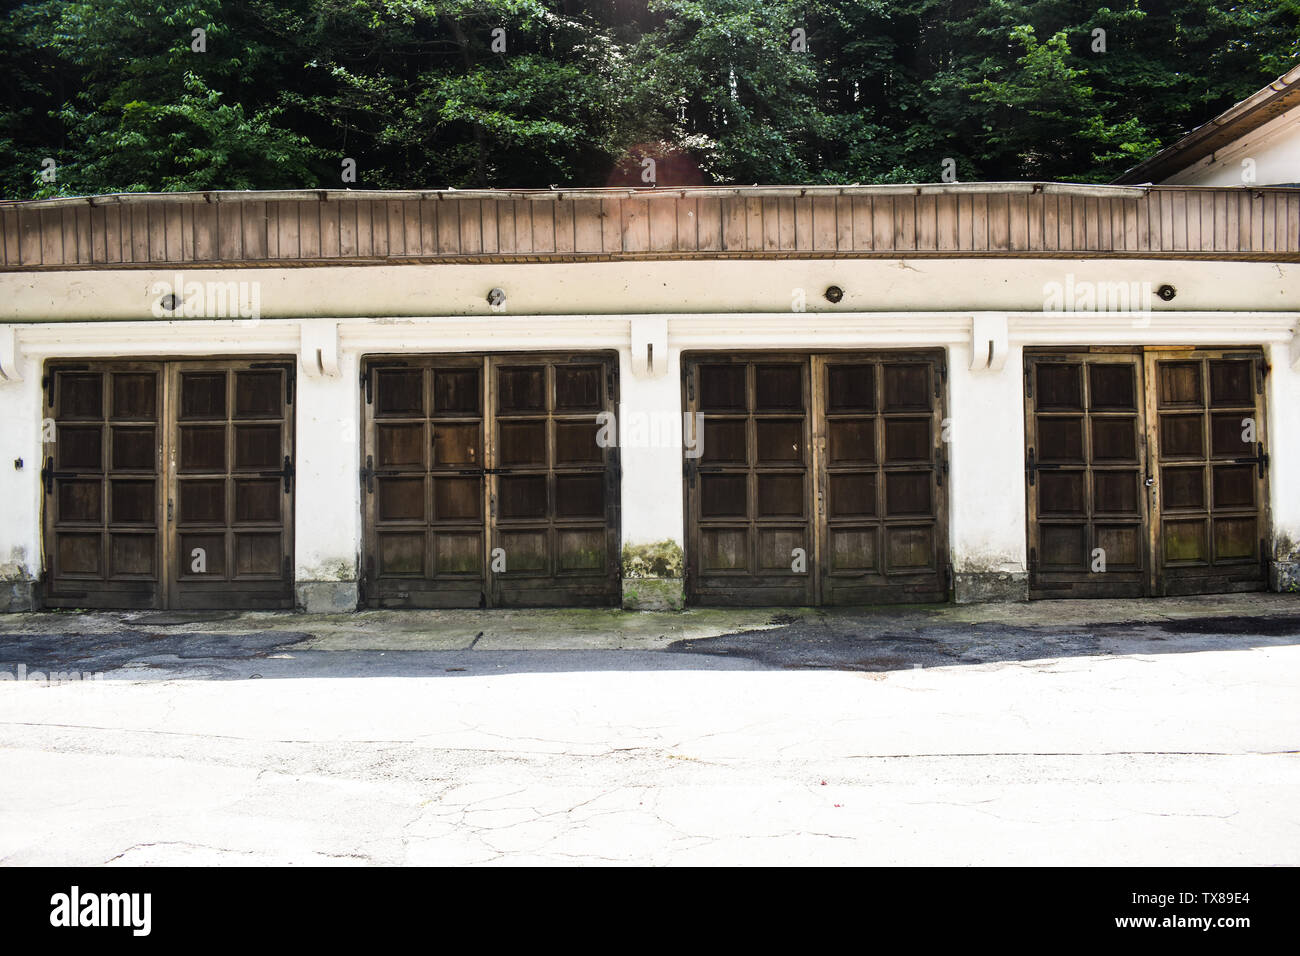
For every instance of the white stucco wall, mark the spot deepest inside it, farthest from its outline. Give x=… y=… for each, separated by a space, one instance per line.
x=327 y=506
x=987 y=463
x=1283 y=392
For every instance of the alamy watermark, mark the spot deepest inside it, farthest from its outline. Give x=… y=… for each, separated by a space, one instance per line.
x=21 y=673
x=1072 y=295
x=209 y=300
x=651 y=430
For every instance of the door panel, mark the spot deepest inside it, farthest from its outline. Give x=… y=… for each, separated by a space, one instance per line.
x=819 y=479
x=1208 y=412
x=1086 y=471
x=232 y=503
x=881 y=479
x=169 y=465
x=101 y=478
x=1153 y=463
x=749 y=494
x=553 y=488
x=485 y=484
x=425 y=503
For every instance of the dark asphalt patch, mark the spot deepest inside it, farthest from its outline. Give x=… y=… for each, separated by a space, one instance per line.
x=1285 y=626
x=109 y=651
x=847 y=642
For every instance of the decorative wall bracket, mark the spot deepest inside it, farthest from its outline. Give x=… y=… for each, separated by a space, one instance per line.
x=319 y=352
x=10 y=357
x=649 y=347
x=988 y=348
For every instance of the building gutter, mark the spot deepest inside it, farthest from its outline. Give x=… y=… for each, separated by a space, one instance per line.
x=1087 y=190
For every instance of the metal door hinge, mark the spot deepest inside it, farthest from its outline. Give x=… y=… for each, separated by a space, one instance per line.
x=286 y=473
x=368 y=475
x=1261 y=460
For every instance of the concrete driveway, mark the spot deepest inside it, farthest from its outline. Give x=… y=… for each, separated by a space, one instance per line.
x=1146 y=732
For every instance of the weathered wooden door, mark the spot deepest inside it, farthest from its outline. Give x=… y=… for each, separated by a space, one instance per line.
x=820 y=479
x=485 y=484
x=1140 y=477
x=882 y=500
x=168 y=484
x=1206 y=422
x=749 y=493
x=102 y=482
x=423 y=483
x=1086 y=468
x=231 y=470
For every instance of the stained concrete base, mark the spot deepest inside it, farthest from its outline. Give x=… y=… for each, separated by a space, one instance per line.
x=325 y=597
x=17 y=596
x=975 y=587
x=653 y=594
x=1285 y=577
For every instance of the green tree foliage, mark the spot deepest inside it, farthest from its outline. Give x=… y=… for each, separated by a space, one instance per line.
x=421 y=93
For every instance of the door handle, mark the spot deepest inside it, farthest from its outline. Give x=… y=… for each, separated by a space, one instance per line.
x=1150 y=481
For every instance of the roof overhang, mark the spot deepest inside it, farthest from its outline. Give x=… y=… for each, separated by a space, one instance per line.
x=1280 y=96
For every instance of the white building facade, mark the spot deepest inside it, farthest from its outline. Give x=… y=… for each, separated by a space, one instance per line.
x=770 y=396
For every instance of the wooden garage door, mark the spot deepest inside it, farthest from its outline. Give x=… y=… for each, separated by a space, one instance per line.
x=485 y=485
x=169 y=485
x=1145 y=472
x=1086 y=472
x=881 y=487
x=1206 y=411
x=819 y=480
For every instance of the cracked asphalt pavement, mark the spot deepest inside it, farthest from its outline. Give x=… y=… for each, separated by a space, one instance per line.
x=1158 y=732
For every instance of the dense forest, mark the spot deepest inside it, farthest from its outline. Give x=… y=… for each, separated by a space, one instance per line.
x=252 y=94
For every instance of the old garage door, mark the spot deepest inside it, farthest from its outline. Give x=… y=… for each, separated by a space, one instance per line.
x=169 y=484
x=1146 y=471
x=484 y=484
x=821 y=479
